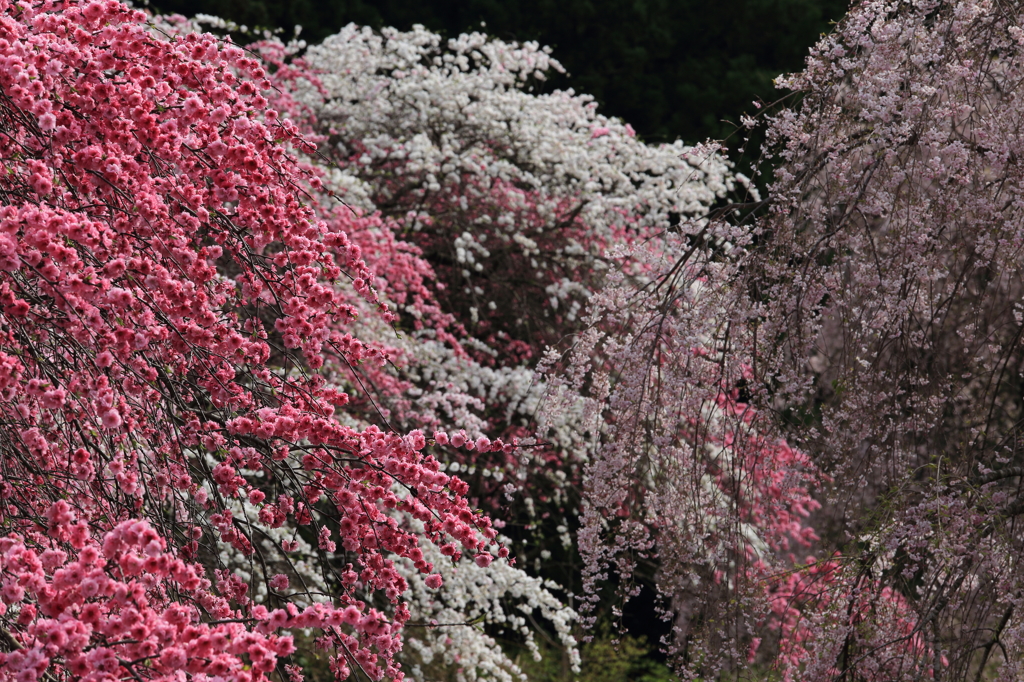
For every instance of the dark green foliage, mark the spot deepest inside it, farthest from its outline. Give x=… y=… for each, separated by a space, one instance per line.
x=671 y=68
x=609 y=657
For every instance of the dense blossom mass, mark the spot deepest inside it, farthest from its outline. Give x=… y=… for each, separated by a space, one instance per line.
x=890 y=284
x=169 y=295
x=543 y=219
x=363 y=360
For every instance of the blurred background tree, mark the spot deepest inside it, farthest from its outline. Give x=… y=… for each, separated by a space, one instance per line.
x=671 y=68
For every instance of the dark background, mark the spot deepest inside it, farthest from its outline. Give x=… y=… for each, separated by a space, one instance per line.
x=672 y=68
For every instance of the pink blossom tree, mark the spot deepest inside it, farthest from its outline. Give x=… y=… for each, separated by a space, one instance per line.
x=169 y=296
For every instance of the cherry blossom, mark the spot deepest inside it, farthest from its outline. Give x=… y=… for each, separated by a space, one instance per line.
x=889 y=290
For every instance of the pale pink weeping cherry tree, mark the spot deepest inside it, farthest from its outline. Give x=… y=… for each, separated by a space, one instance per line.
x=888 y=284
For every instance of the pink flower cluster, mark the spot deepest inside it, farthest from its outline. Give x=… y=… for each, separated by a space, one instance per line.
x=773 y=481
x=882 y=636
x=121 y=607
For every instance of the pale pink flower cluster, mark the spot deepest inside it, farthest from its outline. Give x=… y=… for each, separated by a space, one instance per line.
x=890 y=280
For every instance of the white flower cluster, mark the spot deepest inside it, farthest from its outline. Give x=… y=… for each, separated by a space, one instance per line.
x=450 y=388
x=499 y=595
x=465 y=112
x=450 y=139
